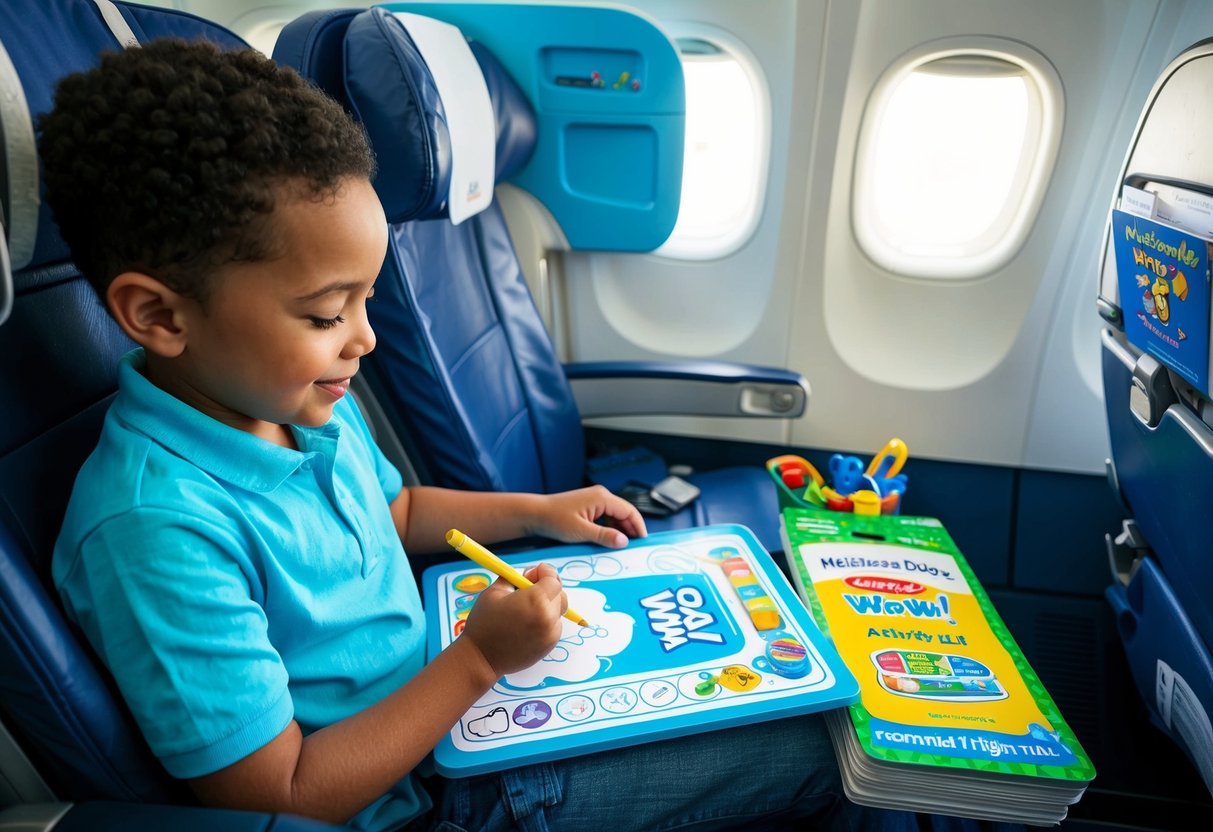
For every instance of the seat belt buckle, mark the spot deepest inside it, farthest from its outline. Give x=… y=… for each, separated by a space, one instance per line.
x=674 y=493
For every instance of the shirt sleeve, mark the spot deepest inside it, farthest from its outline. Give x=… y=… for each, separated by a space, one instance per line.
x=167 y=601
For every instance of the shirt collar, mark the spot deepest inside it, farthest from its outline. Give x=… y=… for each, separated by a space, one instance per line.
x=225 y=452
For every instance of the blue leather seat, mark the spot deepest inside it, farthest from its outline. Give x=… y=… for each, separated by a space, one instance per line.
x=1162 y=443
x=58 y=354
x=464 y=365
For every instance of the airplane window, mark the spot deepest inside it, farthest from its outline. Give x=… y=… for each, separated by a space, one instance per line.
x=724 y=163
x=954 y=154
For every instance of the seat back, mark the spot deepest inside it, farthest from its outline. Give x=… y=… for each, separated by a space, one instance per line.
x=464 y=365
x=1158 y=414
x=59 y=351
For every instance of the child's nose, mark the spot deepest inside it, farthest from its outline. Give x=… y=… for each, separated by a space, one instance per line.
x=362 y=338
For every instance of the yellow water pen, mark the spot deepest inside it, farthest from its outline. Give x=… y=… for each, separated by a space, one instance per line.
x=469 y=548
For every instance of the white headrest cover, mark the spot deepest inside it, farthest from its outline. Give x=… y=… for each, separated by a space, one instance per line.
x=469 y=112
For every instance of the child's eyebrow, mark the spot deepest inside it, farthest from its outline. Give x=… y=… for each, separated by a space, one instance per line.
x=340 y=286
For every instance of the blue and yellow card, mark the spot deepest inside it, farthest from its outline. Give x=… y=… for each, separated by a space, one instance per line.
x=1163 y=279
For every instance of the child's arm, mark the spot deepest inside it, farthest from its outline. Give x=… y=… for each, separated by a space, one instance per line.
x=424 y=514
x=337 y=771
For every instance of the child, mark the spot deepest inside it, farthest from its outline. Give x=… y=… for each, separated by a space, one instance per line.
x=234 y=548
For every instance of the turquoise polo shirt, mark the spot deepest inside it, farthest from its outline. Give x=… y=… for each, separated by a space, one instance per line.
x=231 y=585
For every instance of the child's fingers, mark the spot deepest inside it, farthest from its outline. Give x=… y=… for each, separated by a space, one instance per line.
x=613 y=534
x=489 y=603
x=539 y=571
x=544 y=575
x=498 y=587
x=624 y=516
x=633 y=526
x=609 y=536
x=546 y=579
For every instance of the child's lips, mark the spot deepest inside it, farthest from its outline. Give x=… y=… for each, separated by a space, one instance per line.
x=335 y=387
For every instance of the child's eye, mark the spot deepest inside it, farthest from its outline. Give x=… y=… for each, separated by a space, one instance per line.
x=326 y=323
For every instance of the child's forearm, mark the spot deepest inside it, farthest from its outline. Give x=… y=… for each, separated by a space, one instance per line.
x=423 y=515
x=339 y=770
x=344 y=767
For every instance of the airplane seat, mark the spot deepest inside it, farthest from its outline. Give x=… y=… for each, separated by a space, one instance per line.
x=463 y=363
x=64 y=731
x=1159 y=422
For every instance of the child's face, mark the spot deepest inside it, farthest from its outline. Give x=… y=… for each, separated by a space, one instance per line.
x=278 y=341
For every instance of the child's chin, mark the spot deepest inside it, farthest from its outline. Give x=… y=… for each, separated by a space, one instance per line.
x=315 y=417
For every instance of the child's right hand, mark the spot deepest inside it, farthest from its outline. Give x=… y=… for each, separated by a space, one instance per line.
x=514 y=628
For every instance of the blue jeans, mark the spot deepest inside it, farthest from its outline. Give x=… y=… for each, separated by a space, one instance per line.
x=768 y=776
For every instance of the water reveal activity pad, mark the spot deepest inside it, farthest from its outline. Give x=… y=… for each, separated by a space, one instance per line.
x=687 y=631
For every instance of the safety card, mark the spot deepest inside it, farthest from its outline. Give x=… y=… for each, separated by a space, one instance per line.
x=1163 y=274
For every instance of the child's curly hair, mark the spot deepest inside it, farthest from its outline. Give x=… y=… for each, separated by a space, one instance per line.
x=166 y=159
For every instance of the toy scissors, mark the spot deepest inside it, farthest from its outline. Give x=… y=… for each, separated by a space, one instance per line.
x=888 y=460
x=846 y=473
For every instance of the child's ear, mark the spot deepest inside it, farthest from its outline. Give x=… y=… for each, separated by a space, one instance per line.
x=149 y=312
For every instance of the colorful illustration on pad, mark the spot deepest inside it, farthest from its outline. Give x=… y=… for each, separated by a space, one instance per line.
x=940 y=676
x=684 y=616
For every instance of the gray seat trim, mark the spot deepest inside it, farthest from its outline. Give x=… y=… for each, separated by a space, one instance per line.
x=19 y=178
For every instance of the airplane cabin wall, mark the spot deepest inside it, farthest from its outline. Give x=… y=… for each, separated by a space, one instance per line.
x=1000 y=369
x=737 y=307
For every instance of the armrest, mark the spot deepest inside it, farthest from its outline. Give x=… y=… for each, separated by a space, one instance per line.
x=106 y=816
x=686 y=388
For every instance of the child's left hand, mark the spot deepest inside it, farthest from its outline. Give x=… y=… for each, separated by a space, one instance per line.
x=571 y=517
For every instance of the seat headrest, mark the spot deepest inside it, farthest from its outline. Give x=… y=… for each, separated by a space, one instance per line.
x=379 y=66
x=34 y=55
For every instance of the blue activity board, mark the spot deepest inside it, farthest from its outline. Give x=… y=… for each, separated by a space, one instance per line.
x=687 y=631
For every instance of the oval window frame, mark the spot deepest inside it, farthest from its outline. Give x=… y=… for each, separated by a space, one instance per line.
x=729 y=243
x=1048 y=109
